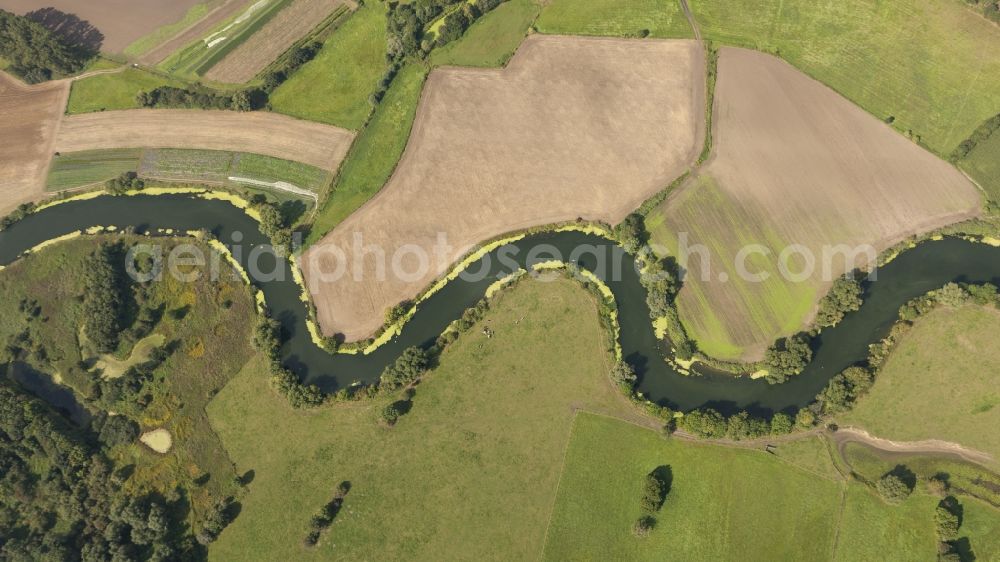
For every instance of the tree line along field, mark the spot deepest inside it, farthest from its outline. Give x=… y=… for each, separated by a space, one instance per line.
x=335 y=87
x=42 y=297
x=117 y=90
x=85 y=168
x=792 y=163
x=939 y=383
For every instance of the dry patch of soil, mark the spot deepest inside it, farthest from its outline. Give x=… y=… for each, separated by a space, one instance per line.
x=158 y=440
x=265 y=133
x=291 y=24
x=795 y=163
x=29 y=117
x=120 y=21
x=573 y=127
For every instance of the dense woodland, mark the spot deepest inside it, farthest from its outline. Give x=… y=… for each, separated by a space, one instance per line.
x=34 y=53
x=61 y=498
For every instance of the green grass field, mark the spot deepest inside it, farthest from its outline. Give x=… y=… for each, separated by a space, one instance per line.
x=616 y=18
x=114 y=91
x=939 y=383
x=76 y=169
x=774 y=307
x=335 y=87
x=983 y=165
x=196 y=59
x=933 y=66
x=965 y=477
x=872 y=530
x=724 y=504
x=375 y=151
x=728 y=504
x=469 y=473
x=270 y=169
x=159 y=35
x=492 y=39
x=209 y=352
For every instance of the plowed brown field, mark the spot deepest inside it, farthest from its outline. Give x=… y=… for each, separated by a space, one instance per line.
x=573 y=127
x=29 y=116
x=794 y=163
x=265 y=133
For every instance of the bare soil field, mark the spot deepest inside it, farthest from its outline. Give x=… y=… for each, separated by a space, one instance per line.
x=291 y=24
x=192 y=33
x=29 y=117
x=793 y=163
x=120 y=21
x=265 y=133
x=573 y=127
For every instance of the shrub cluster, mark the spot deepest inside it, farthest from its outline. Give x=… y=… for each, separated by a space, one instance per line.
x=787 y=357
x=406 y=369
x=893 y=488
x=408 y=23
x=982 y=132
x=36 y=54
x=654 y=492
x=250 y=99
x=326 y=514
x=104 y=301
x=709 y=423
x=76 y=508
x=22 y=210
x=272 y=222
x=844 y=297
x=989 y=8
x=127 y=181
x=267 y=340
x=286 y=66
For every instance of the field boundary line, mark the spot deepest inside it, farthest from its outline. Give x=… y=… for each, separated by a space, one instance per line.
x=555 y=496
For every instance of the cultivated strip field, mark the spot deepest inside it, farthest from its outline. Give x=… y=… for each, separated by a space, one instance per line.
x=290 y=25
x=29 y=116
x=265 y=133
x=794 y=163
x=573 y=127
x=120 y=21
x=193 y=32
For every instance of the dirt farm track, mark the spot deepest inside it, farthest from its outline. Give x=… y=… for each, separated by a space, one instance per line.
x=261 y=132
x=29 y=116
x=120 y=21
x=573 y=127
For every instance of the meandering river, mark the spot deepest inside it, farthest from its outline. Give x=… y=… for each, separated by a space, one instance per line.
x=928 y=266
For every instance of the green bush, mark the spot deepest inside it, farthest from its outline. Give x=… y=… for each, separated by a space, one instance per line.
x=893 y=489
x=36 y=54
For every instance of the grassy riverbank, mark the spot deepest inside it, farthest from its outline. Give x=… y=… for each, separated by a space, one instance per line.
x=940 y=382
